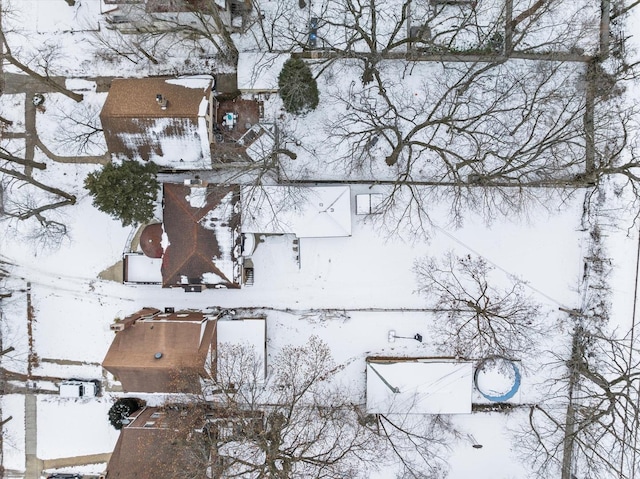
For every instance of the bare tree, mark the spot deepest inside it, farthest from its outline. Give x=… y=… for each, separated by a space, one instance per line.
x=309 y=429
x=79 y=131
x=589 y=425
x=507 y=111
x=299 y=422
x=418 y=443
x=41 y=69
x=23 y=197
x=475 y=318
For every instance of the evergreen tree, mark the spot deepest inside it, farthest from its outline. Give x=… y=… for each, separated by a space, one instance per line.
x=298 y=88
x=121 y=410
x=127 y=191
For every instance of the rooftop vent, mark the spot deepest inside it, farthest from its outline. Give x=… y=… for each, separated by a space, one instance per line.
x=162 y=101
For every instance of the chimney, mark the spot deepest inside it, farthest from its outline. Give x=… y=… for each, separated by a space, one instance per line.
x=162 y=101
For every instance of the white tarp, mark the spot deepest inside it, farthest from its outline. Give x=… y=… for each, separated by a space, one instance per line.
x=419 y=386
x=313 y=212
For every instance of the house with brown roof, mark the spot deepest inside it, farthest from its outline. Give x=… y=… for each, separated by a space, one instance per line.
x=172 y=351
x=179 y=441
x=156 y=351
x=151 y=447
x=164 y=120
x=197 y=246
x=201 y=224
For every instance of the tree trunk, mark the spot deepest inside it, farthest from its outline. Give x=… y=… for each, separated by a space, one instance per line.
x=42 y=186
x=44 y=79
x=22 y=161
x=4 y=421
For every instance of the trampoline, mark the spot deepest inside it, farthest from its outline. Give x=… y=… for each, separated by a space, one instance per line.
x=497 y=378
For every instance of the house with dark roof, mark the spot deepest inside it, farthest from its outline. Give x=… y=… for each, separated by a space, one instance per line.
x=173 y=351
x=150 y=447
x=164 y=120
x=197 y=246
x=156 y=351
x=201 y=224
x=179 y=441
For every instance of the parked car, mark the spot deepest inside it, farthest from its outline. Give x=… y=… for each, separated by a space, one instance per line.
x=78 y=388
x=61 y=475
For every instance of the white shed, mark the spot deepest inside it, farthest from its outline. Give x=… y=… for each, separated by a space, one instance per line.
x=419 y=386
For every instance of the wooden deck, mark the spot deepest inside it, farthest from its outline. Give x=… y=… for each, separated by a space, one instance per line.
x=247 y=112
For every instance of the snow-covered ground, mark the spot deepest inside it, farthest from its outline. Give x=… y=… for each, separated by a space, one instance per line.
x=349 y=291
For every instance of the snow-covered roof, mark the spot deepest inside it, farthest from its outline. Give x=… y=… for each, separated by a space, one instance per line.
x=202 y=236
x=251 y=331
x=259 y=72
x=139 y=268
x=137 y=126
x=419 y=386
x=312 y=212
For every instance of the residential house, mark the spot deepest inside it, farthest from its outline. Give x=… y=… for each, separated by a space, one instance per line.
x=171 y=351
x=209 y=233
x=164 y=120
x=142 y=16
x=148 y=448
x=158 y=6
x=179 y=124
x=197 y=245
x=201 y=224
x=178 y=441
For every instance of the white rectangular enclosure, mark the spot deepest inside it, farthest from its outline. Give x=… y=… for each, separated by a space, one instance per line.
x=419 y=386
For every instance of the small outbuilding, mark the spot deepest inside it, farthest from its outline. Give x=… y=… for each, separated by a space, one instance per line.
x=419 y=386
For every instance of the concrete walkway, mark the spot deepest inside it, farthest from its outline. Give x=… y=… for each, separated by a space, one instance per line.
x=16 y=83
x=33 y=464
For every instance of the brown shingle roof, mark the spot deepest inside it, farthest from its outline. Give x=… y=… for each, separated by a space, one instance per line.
x=156 y=452
x=136 y=127
x=136 y=98
x=151 y=240
x=195 y=250
x=183 y=343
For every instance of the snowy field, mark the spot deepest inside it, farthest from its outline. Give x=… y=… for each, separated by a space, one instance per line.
x=349 y=291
